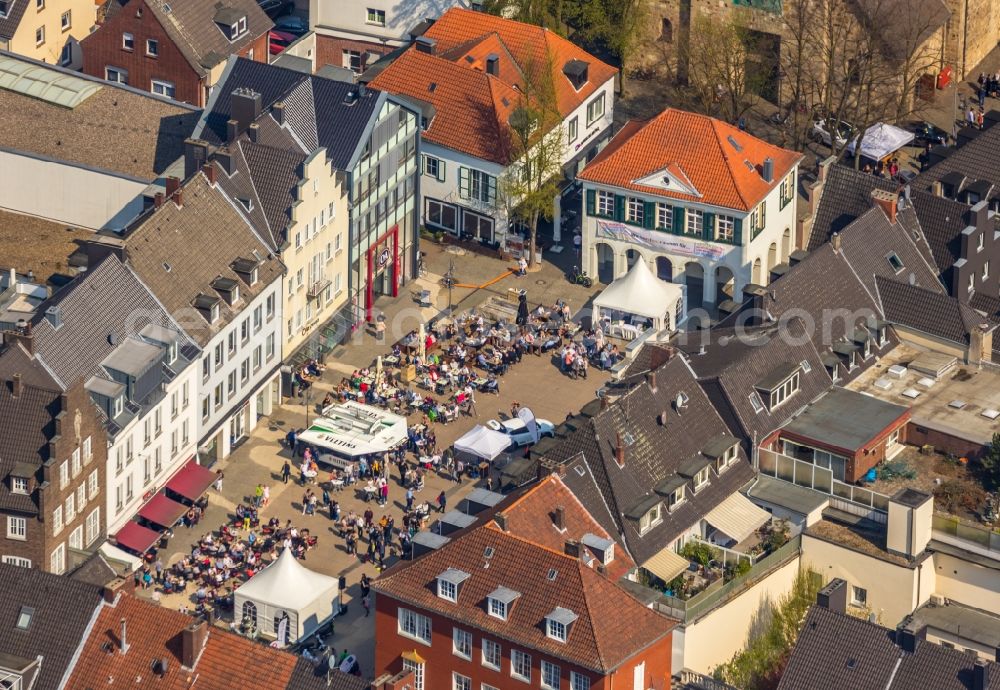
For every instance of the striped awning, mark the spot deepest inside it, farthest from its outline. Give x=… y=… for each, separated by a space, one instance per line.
x=737 y=517
x=667 y=564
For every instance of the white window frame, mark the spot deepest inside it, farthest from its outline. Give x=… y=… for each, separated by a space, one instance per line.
x=40 y=35
x=857 y=600
x=556 y=630
x=16 y=560
x=573 y=130
x=519 y=662
x=460 y=682
x=375 y=16
x=664 y=217
x=414 y=626
x=152 y=47
x=551 y=675
x=19 y=485
x=694 y=222
x=93 y=526
x=650 y=519
x=57 y=560
x=605 y=204
x=701 y=479
x=786 y=390
x=166 y=89
x=17 y=528
x=725 y=228
x=676 y=497
x=461 y=643
x=595 y=109
x=578 y=681
x=494 y=657
x=128 y=41
x=635 y=210
x=497 y=608
x=447 y=590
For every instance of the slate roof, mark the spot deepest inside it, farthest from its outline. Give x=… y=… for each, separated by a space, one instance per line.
x=531 y=516
x=306 y=677
x=659 y=452
x=836 y=651
x=976 y=160
x=932 y=313
x=266 y=174
x=29 y=243
x=319 y=111
x=63 y=608
x=611 y=626
x=107 y=300
x=154 y=632
x=28 y=422
x=176 y=236
x=119 y=129
x=698 y=148
x=12 y=20
x=732 y=364
x=191 y=26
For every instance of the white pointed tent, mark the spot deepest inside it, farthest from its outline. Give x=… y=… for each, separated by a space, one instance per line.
x=642 y=294
x=480 y=442
x=286 y=587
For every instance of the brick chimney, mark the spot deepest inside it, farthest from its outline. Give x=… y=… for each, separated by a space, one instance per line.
x=835 y=241
x=908 y=637
x=651 y=381
x=252 y=132
x=401 y=681
x=209 y=170
x=16 y=387
x=833 y=596
x=193 y=639
x=195 y=155
x=620 y=451
x=559 y=518
x=980 y=675
x=278 y=112
x=158 y=200
x=21 y=335
x=886 y=201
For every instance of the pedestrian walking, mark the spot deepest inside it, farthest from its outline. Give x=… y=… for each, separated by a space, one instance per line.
x=291 y=439
x=286 y=471
x=366 y=604
x=409 y=499
x=442 y=502
x=522 y=267
x=218 y=480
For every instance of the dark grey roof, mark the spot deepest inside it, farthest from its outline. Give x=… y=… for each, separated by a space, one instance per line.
x=836 y=651
x=846 y=196
x=107 y=300
x=305 y=676
x=845 y=419
x=929 y=312
x=318 y=110
x=12 y=20
x=95 y=570
x=787 y=495
x=942 y=221
x=731 y=363
x=964 y=621
x=62 y=612
x=663 y=440
x=976 y=160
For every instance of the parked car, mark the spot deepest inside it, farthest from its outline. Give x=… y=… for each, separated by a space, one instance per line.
x=518 y=432
x=820 y=132
x=275 y=8
x=926 y=133
x=292 y=24
x=279 y=40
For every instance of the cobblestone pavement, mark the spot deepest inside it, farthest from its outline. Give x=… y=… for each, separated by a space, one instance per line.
x=536 y=382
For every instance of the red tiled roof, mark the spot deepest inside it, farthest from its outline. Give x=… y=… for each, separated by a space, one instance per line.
x=157 y=633
x=611 y=626
x=472 y=107
x=531 y=517
x=698 y=147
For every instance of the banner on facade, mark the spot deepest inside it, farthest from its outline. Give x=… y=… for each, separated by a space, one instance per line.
x=659 y=241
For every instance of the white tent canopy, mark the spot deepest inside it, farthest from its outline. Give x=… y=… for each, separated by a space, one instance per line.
x=286 y=587
x=881 y=140
x=640 y=293
x=482 y=443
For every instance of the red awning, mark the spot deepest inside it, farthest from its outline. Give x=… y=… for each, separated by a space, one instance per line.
x=135 y=537
x=192 y=481
x=162 y=511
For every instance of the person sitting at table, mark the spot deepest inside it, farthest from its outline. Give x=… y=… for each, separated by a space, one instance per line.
x=491 y=385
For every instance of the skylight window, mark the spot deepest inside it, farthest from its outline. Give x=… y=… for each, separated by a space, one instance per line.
x=894 y=261
x=24 y=618
x=758 y=405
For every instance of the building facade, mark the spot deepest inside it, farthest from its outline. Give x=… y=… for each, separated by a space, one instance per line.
x=176 y=49
x=47 y=30
x=466 y=74
x=52 y=457
x=703 y=203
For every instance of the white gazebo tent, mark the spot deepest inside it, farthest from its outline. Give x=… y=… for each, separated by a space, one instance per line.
x=640 y=293
x=287 y=588
x=881 y=140
x=483 y=443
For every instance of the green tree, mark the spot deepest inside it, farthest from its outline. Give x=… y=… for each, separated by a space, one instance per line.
x=616 y=25
x=529 y=186
x=760 y=663
x=989 y=465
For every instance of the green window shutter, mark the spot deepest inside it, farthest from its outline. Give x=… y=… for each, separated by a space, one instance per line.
x=708 y=226
x=463 y=183
x=619 y=208
x=678 y=228
x=591 y=202
x=441 y=174
x=649 y=215
x=738 y=231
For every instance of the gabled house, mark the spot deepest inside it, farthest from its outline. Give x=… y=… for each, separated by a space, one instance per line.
x=652 y=463
x=47 y=30
x=82 y=151
x=52 y=454
x=44 y=620
x=357 y=206
x=224 y=290
x=140 y=373
x=701 y=202
x=176 y=48
x=489 y=609
x=469 y=73
x=966 y=172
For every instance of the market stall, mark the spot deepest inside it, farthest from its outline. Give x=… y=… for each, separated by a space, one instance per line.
x=637 y=301
x=482 y=443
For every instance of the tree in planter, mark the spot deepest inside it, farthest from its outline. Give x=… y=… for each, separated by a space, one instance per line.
x=989 y=465
x=530 y=184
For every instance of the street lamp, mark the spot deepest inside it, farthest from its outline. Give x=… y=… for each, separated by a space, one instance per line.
x=308 y=397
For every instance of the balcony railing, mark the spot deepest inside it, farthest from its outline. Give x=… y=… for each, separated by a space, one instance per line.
x=691 y=609
x=945 y=526
x=317 y=287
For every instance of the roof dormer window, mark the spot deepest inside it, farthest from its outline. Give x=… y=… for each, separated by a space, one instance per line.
x=18 y=485
x=604 y=548
x=117 y=405
x=650 y=519
x=500 y=601
x=449 y=583
x=557 y=623
x=231 y=21
x=701 y=479
x=228 y=289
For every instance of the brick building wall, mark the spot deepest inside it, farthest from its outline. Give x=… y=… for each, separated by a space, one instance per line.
x=973 y=31
x=105 y=48
x=75 y=421
x=441 y=662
